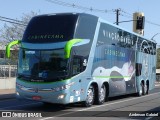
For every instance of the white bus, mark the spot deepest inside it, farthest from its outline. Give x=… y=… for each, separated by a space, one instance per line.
x=77 y=57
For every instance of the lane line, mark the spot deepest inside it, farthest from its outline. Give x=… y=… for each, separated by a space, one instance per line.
x=148 y=118
x=98 y=106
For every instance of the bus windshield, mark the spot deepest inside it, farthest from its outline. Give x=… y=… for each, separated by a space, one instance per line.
x=50 y=29
x=44 y=65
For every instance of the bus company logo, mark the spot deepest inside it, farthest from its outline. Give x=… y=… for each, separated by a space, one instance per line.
x=117 y=37
x=51 y=36
x=6 y=114
x=36 y=90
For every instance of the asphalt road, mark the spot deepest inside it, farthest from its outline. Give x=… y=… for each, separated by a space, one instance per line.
x=123 y=107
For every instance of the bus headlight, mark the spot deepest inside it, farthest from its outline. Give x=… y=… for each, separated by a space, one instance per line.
x=63 y=87
x=61 y=96
x=17 y=93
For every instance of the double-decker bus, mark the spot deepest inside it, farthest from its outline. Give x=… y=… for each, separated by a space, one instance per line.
x=77 y=57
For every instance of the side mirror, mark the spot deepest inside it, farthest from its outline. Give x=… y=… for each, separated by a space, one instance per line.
x=73 y=42
x=69 y=45
x=8 y=47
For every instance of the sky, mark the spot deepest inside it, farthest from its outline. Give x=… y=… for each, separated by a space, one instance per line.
x=15 y=9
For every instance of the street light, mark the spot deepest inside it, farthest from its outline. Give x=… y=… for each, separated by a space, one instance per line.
x=154 y=36
x=157 y=45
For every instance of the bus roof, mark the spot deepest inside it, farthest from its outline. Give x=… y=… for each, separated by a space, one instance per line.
x=100 y=19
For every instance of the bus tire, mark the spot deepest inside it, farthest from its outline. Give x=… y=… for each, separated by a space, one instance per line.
x=102 y=95
x=141 y=90
x=147 y=88
x=90 y=97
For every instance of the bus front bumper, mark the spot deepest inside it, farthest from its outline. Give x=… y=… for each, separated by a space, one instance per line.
x=44 y=95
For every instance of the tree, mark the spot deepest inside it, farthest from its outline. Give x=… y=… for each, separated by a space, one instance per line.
x=14 y=31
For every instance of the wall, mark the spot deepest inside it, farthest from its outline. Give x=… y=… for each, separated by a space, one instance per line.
x=8 y=83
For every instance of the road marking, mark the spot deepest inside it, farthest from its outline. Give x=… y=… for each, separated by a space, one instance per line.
x=97 y=106
x=148 y=118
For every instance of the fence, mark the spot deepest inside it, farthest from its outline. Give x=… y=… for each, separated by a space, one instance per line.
x=8 y=71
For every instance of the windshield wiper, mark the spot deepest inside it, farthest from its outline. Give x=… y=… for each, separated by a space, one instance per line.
x=24 y=77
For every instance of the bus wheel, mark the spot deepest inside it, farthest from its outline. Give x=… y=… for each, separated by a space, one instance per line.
x=141 y=90
x=147 y=88
x=102 y=95
x=90 y=97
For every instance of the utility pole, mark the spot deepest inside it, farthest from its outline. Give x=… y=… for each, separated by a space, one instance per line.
x=117 y=16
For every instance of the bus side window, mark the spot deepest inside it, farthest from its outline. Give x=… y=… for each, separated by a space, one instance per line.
x=76 y=65
x=138 y=69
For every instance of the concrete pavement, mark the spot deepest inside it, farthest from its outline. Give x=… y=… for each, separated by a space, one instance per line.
x=7 y=94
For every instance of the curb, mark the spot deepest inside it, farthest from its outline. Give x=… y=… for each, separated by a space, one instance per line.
x=7 y=96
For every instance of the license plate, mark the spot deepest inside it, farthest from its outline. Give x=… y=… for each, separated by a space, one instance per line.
x=36 y=97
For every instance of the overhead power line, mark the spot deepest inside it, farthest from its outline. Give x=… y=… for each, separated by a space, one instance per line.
x=153 y=23
x=58 y=2
x=10 y=20
x=128 y=15
x=92 y=9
